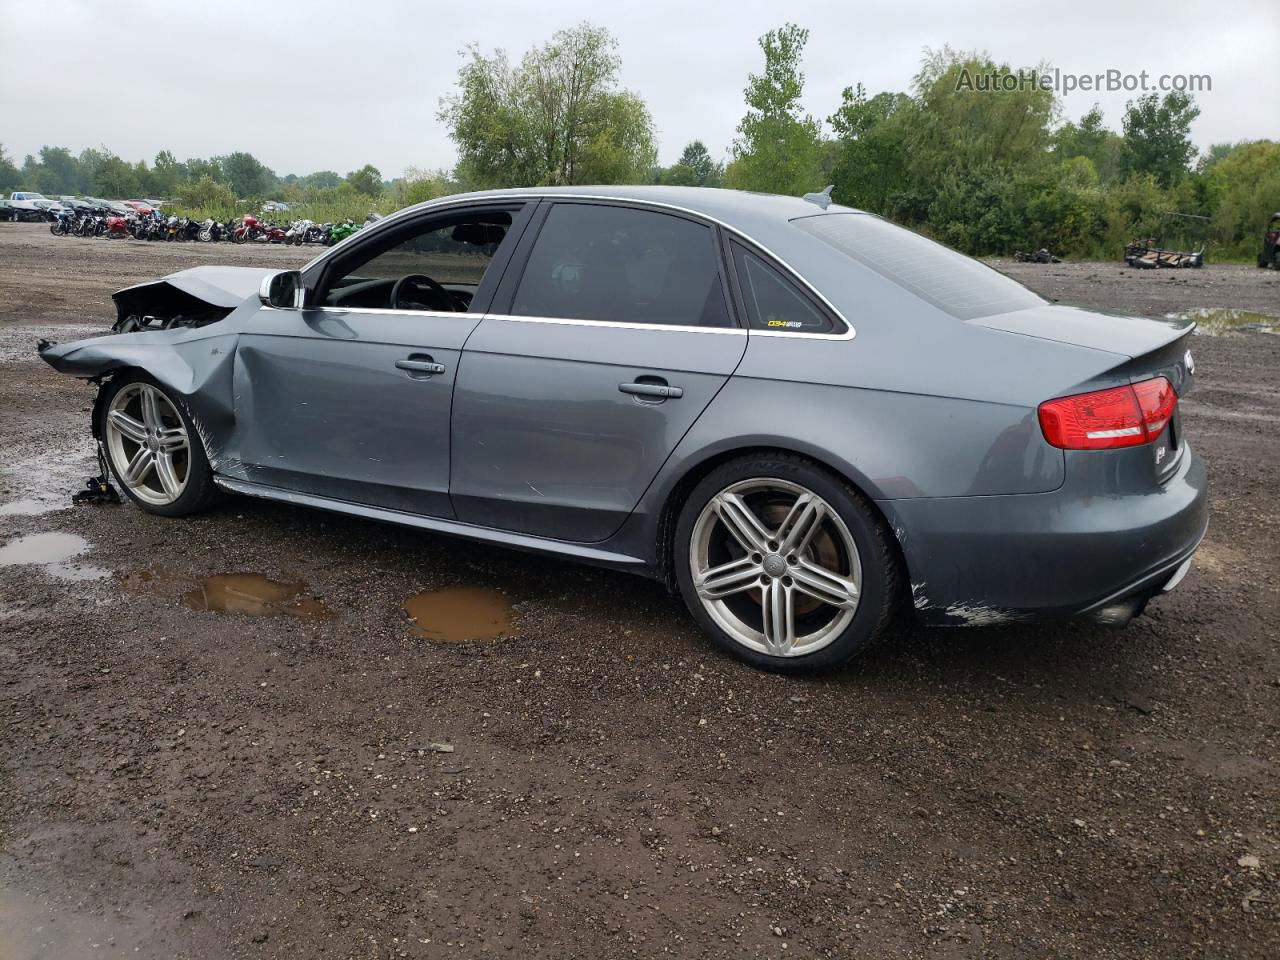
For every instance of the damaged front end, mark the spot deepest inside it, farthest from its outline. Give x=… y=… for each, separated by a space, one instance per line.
x=181 y=332
x=191 y=298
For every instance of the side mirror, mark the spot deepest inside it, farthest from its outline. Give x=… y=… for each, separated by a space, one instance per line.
x=282 y=291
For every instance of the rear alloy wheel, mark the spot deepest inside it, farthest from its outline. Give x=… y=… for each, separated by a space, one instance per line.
x=784 y=564
x=153 y=450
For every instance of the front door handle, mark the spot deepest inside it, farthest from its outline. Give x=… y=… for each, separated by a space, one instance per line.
x=654 y=390
x=423 y=368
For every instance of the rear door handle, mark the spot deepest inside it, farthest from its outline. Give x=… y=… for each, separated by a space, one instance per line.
x=428 y=367
x=655 y=391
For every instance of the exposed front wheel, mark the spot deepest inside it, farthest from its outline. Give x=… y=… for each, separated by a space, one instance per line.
x=784 y=564
x=153 y=449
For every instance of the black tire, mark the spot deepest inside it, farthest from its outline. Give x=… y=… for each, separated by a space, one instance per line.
x=882 y=575
x=201 y=492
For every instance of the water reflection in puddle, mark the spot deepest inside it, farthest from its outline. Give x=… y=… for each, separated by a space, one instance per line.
x=54 y=552
x=42 y=548
x=459 y=614
x=254 y=595
x=1217 y=323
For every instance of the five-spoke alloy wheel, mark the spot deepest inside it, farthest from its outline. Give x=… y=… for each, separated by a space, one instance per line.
x=152 y=449
x=784 y=564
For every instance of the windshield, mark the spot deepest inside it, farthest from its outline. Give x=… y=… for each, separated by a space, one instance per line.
x=952 y=282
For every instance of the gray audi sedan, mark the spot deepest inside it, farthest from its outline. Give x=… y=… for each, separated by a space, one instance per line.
x=805 y=419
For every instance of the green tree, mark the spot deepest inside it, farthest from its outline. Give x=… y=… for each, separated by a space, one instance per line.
x=557 y=118
x=870 y=154
x=247 y=176
x=321 y=179
x=1244 y=189
x=206 y=194
x=166 y=174
x=1157 y=136
x=695 y=168
x=59 y=172
x=368 y=180
x=10 y=178
x=198 y=168
x=1090 y=138
x=778 y=146
x=115 y=179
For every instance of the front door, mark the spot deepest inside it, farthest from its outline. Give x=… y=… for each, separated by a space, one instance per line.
x=350 y=397
x=610 y=344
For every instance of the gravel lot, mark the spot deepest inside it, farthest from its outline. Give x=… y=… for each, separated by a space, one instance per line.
x=183 y=783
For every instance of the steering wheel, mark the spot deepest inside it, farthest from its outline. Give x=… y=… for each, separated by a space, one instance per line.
x=421 y=280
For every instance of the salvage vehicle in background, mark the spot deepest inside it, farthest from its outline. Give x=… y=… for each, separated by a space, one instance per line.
x=24 y=205
x=1270 y=254
x=805 y=419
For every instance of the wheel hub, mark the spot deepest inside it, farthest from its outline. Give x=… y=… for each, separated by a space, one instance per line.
x=774 y=565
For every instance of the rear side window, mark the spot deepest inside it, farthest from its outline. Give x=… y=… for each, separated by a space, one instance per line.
x=952 y=282
x=773 y=303
x=595 y=262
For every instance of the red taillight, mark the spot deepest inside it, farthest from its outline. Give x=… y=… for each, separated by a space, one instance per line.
x=1106 y=419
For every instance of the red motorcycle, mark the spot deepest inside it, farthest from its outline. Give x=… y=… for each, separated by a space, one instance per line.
x=253 y=230
x=249 y=230
x=116 y=227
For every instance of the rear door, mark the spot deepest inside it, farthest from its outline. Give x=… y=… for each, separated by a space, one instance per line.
x=600 y=354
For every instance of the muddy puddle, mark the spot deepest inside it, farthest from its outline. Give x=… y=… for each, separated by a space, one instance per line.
x=1218 y=323
x=56 y=553
x=252 y=594
x=459 y=614
x=23 y=508
x=32 y=929
x=34 y=483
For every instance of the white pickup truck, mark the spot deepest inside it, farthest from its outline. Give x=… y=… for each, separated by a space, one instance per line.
x=26 y=205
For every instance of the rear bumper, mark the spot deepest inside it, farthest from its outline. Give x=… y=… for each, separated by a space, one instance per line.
x=1084 y=549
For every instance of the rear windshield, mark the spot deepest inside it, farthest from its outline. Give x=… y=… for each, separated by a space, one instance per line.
x=950 y=281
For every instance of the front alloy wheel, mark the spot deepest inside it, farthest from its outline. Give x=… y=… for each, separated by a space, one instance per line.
x=148 y=443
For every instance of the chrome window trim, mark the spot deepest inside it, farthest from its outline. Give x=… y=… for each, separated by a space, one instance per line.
x=443 y=314
x=620 y=324
x=445 y=203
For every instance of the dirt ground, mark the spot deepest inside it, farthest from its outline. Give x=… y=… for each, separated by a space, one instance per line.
x=181 y=783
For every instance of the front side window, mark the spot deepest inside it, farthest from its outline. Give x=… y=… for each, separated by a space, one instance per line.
x=596 y=262
x=773 y=302
x=438 y=266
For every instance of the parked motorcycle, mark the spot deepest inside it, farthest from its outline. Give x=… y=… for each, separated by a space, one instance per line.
x=211 y=231
x=249 y=230
x=340 y=231
x=115 y=228
x=297 y=232
x=62 y=224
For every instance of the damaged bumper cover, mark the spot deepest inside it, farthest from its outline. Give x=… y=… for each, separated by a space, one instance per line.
x=1075 y=552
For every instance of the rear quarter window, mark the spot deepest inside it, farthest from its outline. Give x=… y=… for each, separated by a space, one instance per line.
x=959 y=285
x=773 y=303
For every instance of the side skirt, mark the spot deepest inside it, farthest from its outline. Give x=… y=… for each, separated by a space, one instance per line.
x=504 y=538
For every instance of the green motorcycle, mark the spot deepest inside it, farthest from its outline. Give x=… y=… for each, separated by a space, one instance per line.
x=340 y=231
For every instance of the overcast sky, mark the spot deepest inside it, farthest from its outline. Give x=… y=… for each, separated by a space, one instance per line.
x=317 y=84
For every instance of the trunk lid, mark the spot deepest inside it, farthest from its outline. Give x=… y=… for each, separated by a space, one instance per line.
x=1134 y=337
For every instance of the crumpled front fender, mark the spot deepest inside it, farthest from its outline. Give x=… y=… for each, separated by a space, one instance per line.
x=194 y=367
x=100 y=356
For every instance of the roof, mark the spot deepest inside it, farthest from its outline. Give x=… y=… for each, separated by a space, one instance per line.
x=762 y=216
